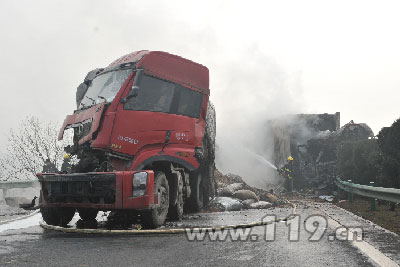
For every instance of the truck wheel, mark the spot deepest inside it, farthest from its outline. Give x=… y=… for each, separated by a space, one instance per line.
x=87 y=214
x=208 y=183
x=57 y=216
x=49 y=215
x=176 y=211
x=65 y=216
x=196 y=198
x=156 y=217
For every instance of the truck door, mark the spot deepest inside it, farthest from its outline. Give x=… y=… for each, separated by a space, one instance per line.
x=159 y=107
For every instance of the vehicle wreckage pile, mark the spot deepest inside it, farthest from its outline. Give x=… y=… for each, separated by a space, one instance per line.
x=313 y=141
x=235 y=194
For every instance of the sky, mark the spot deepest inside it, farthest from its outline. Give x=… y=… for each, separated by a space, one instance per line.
x=266 y=58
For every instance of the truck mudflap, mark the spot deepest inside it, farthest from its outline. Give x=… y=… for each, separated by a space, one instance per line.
x=133 y=190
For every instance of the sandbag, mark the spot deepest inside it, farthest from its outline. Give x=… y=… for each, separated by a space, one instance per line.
x=246 y=203
x=224 y=204
x=245 y=194
x=261 y=205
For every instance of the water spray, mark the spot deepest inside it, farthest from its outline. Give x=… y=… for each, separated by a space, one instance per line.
x=262 y=159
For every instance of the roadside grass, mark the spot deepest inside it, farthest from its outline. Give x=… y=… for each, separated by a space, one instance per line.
x=383 y=216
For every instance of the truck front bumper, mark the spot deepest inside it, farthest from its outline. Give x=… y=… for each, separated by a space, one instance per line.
x=102 y=191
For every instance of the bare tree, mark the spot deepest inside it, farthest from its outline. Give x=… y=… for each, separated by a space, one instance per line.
x=28 y=148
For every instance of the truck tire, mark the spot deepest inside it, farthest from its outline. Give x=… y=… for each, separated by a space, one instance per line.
x=87 y=214
x=196 y=198
x=176 y=211
x=208 y=183
x=49 y=215
x=57 y=216
x=156 y=217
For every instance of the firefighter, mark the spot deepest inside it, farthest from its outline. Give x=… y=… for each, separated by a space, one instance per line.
x=287 y=172
x=49 y=167
x=66 y=166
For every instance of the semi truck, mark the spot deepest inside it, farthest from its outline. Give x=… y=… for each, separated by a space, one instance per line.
x=144 y=141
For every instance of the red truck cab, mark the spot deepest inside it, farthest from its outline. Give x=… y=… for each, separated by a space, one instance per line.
x=144 y=136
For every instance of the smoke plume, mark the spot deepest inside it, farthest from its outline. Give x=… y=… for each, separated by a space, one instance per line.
x=51 y=45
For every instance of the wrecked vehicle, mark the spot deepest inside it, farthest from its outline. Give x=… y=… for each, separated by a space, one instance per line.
x=144 y=134
x=313 y=140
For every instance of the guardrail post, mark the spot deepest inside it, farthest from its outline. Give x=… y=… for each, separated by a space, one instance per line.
x=3 y=195
x=373 y=200
x=350 y=193
x=339 y=193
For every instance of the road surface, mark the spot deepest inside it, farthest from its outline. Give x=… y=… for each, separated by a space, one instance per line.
x=31 y=245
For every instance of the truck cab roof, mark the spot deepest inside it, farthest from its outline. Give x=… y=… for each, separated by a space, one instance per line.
x=169 y=67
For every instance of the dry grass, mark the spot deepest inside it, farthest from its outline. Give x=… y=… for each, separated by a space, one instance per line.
x=383 y=216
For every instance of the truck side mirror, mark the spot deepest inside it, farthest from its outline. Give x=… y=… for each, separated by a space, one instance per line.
x=134 y=91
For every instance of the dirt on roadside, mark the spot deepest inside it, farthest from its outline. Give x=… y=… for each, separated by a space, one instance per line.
x=383 y=216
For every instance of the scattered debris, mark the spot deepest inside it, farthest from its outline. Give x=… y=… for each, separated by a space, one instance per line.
x=247 y=203
x=245 y=194
x=228 y=190
x=233 y=187
x=270 y=198
x=224 y=204
x=261 y=205
x=227 y=179
x=327 y=198
x=312 y=140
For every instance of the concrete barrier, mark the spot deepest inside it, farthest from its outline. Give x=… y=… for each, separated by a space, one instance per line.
x=14 y=193
x=2 y=199
x=19 y=184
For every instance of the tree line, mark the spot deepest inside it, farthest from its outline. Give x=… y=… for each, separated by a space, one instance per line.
x=373 y=160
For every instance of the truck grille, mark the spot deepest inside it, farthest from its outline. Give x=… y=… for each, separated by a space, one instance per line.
x=79 y=188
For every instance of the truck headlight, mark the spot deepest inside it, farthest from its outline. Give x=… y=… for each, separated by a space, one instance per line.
x=139 y=184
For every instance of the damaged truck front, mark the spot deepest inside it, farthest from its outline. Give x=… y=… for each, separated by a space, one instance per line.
x=144 y=138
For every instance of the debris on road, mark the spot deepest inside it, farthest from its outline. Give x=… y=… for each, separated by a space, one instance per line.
x=245 y=194
x=228 y=190
x=327 y=198
x=313 y=141
x=247 y=203
x=224 y=204
x=235 y=194
x=261 y=205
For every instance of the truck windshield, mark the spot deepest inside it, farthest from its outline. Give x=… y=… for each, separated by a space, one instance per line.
x=104 y=87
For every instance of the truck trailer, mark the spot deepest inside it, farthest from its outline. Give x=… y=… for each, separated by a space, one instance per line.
x=144 y=139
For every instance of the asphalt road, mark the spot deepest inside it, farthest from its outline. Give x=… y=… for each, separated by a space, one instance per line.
x=34 y=246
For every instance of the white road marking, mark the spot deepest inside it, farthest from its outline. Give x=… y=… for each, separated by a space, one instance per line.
x=371 y=252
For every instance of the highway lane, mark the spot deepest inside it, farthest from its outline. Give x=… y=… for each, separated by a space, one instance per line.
x=34 y=246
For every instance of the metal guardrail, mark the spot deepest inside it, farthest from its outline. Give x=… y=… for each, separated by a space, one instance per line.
x=388 y=194
x=18 y=184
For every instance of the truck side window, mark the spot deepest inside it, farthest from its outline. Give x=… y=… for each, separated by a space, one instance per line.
x=154 y=95
x=189 y=102
x=162 y=96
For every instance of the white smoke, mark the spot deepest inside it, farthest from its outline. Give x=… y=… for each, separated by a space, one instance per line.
x=50 y=46
x=255 y=89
